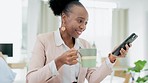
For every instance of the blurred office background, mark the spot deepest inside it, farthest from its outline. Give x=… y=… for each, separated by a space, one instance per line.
x=110 y=22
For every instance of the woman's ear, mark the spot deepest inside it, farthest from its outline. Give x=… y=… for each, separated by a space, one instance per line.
x=63 y=18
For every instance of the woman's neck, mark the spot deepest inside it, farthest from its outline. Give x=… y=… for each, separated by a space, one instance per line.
x=68 y=40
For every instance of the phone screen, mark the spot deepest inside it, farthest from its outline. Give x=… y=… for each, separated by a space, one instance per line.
x=129 y=40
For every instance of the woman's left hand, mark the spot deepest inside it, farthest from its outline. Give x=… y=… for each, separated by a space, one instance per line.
x=123 y=53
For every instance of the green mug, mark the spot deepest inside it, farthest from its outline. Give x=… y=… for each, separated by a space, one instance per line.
x=88 y=57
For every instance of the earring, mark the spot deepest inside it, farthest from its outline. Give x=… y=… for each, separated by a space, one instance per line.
x=63 y=28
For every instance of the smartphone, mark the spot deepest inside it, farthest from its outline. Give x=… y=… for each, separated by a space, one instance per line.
x=129 y=40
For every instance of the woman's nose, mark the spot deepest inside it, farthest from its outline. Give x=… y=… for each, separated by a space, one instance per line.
x=83 y=26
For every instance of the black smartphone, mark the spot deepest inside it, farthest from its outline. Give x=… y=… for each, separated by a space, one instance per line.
x=129 y=40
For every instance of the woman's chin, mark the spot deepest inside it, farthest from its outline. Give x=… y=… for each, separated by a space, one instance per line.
x=76 y=36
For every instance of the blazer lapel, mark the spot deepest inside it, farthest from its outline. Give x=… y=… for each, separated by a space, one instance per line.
x=82 y=74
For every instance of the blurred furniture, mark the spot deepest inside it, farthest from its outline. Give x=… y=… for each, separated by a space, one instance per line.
x=121 y=73
x=14 y=65
x=118 y=72
x=19 y=65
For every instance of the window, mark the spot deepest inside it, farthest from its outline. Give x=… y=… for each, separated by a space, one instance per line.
x=99 y=27
x=24 y=25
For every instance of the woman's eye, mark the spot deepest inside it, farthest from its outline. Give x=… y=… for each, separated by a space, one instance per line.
x=80 y=21
x=86 y=23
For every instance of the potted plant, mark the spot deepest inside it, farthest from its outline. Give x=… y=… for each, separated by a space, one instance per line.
x=135 y=72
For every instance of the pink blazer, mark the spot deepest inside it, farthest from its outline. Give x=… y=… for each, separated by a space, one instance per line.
x=46 y=50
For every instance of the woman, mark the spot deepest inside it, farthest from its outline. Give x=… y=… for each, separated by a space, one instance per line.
x=54 y=57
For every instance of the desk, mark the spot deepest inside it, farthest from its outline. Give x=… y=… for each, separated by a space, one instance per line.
x=119 y=72
x=20 y=65
x=16 y=63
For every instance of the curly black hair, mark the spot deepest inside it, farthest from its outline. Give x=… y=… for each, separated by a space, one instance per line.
x=59 y=6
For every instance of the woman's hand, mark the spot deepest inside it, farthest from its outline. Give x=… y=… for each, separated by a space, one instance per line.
x=69 y=58
x=122 y=53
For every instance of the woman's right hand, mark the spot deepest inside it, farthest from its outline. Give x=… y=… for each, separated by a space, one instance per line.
x=69 y=58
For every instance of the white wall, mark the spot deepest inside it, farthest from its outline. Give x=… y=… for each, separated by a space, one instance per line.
x=138 y=19
x=10 y=24
x=137 y=24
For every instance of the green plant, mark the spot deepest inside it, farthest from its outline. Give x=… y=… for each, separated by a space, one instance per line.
x=143 y=79
x=139 y=65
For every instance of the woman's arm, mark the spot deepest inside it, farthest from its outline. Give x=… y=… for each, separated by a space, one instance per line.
x=98 y=74
x=39 y=71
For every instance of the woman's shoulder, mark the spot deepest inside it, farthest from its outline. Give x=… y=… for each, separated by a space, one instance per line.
x=45 y=37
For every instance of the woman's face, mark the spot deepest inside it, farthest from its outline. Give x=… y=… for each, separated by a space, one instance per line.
x=75 y=22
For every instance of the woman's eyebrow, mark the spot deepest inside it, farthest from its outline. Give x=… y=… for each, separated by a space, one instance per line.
x=82 y=18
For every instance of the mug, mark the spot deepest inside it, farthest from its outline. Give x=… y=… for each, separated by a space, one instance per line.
x=88 y=57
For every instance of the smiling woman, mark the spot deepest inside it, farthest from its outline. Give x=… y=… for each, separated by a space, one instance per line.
x=55 y=55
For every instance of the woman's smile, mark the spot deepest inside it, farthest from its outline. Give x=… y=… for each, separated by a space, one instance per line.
x=78 y=32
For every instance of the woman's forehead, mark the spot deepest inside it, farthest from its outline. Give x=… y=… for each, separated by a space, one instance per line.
x=79 y=11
